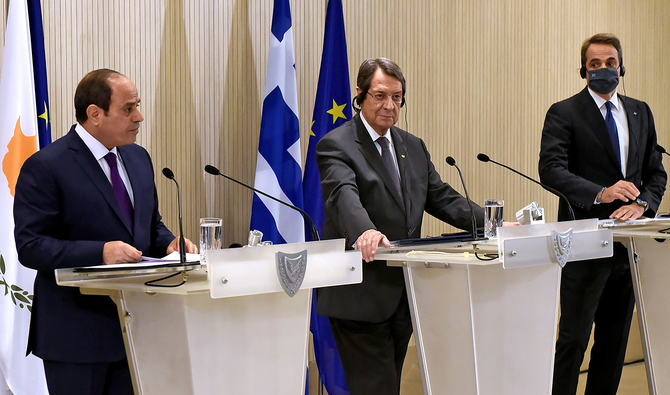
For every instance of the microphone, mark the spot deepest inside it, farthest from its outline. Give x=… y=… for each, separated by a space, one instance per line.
x=662 y=150
x=485 y=158
x=214 y=171
x=452 y=162
x=182 y=244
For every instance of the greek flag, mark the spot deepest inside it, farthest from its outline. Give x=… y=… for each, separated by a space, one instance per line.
x=278 y=167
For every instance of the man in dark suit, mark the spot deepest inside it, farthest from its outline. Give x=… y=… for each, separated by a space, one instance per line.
x=67 y=213
x=377 y=180
x=598 y=149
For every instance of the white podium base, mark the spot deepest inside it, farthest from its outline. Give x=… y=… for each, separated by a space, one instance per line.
x=651 y=272
x=488 y=329
x=230 y=330
x=648 y=250
x=193 y=344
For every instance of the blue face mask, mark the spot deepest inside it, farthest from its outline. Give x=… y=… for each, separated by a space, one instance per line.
x=603 y=81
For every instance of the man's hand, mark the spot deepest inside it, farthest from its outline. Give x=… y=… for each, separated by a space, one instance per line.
x=119 y=252
x=368 y=243
x=629 y=211
x=174 y=246
x=622 y=190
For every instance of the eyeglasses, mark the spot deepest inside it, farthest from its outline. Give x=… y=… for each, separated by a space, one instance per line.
x=383 y=97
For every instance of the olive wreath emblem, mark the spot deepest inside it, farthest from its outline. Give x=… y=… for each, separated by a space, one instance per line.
x=19 y=296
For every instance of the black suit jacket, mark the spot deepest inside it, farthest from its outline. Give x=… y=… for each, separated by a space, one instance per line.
x=64 y=212
x=577 y=157
x=359 y=194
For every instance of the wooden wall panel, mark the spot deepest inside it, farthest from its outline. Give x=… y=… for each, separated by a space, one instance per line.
x=481 y=75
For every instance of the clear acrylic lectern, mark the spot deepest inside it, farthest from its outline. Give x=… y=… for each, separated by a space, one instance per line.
x=229 y=329
x=488 y=327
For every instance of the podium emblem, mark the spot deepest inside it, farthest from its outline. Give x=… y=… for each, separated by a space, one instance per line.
x=562 y=245
x=291 y=270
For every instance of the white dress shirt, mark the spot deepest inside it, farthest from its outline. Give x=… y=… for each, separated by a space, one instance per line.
x=99 y=151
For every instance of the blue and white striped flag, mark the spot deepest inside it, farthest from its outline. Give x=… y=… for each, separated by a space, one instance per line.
x=278 y=167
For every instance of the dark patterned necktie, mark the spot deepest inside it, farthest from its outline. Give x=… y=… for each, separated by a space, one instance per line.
x=120 y=189
x=387 y=158
x=611 y=127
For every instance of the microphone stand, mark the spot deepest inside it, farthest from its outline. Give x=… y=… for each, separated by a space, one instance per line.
x=452 y=162
x=182 y=243
x=485 y=158
x=214 y=171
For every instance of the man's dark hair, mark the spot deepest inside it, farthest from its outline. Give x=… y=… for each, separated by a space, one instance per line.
x=93 y=89
x=367 y=71
x=602 y=38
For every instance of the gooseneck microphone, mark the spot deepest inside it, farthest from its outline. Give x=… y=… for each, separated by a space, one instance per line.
x=182 y=243
x=452 y=162
x=662 y=150
x=485 y=158
x=214 y=171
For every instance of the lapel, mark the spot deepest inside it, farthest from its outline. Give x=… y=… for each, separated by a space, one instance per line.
x=91 y=168
x=634 y=128
x=597 y=124
x=368 y=148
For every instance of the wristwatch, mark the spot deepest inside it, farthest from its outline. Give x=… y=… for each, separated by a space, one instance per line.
x=642 y=203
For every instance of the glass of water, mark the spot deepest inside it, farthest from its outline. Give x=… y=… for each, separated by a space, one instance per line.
x=493 y=210
x=211 y=232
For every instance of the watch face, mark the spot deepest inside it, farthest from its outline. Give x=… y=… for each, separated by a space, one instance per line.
x=642 y=203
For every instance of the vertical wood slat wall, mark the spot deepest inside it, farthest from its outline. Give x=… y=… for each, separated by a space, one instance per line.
x=481 y=75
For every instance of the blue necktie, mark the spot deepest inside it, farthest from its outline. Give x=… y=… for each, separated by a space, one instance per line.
x=120 y=189
x=611 y=127
x=387 y=158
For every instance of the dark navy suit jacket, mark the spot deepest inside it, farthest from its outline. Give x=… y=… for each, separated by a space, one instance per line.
x=359 y=194
x=577 y=157
x=65 y=211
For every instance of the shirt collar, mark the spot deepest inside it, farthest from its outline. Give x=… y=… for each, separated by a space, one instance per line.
x=600 y=101
x=373 y=134
x=96 y=147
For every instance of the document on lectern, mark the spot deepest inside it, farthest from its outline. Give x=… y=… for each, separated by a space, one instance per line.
x=615 y=223
x=167 y=264
x=145 y=263
x=445 y=238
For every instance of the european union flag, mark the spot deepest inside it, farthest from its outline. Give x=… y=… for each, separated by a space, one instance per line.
x=278 y=166
x=39 y=72
x=331 y=109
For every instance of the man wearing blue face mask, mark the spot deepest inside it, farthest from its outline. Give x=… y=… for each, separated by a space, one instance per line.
x=598 y=149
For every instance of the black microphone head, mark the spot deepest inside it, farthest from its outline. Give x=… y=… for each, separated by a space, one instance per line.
x=483 y=157
x=212 y=170
x=660 y=149
x=451 y=161
x=168 y=173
